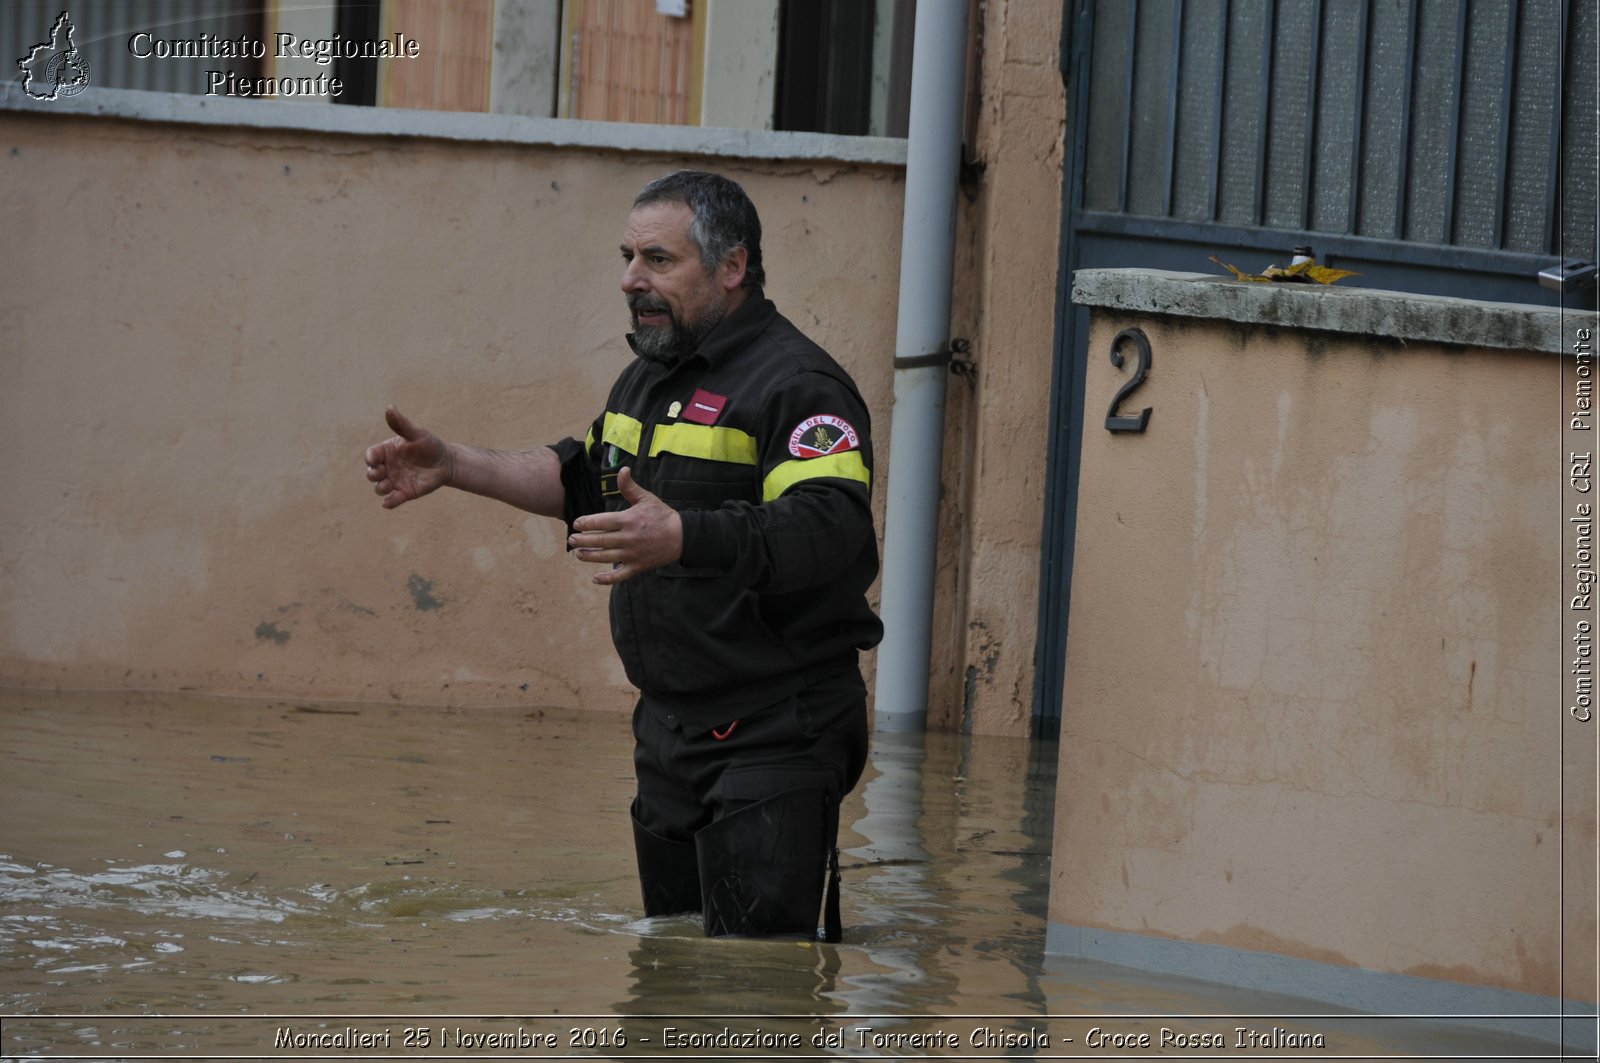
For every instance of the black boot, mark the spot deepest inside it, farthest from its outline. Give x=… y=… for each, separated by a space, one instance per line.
x=762 y=866
x=668 y=874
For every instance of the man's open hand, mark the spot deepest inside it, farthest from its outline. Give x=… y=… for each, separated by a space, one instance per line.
x=646 y=535
x=412 y=463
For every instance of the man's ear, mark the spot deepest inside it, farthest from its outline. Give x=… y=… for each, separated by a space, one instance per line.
x=731 y=273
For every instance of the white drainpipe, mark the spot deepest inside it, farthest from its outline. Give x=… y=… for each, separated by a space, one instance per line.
x=922 y=346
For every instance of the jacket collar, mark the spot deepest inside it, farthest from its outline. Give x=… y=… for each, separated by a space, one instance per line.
x=733 y=333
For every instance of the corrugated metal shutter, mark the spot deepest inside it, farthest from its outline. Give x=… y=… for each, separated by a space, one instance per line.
x=1436 y=122
x=630 y=63
x=452 y=74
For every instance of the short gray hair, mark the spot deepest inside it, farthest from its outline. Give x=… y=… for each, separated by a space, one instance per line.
x=724 y=218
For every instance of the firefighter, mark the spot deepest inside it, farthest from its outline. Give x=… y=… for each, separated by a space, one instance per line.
x=724 y=494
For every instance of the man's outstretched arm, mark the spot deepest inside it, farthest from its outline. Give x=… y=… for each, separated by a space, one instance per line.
x=414 y=462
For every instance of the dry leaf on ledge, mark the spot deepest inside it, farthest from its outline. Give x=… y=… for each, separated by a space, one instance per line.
x=1300 y=273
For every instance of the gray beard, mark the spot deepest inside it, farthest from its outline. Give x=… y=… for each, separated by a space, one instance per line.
x=669 y=343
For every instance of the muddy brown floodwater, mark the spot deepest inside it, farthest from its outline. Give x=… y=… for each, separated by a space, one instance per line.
x=208 y=878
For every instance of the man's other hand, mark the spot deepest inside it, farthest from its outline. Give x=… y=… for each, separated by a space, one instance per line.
x=646 y=535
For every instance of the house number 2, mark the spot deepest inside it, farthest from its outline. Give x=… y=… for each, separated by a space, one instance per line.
x=1129 y=422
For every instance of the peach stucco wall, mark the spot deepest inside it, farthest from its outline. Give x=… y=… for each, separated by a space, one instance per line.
x=1313 y=702
x=997 y=418
x=230 y=309
x=199 y=342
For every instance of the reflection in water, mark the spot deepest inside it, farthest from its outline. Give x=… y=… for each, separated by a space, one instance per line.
x=890 y=891
x=944 y=858
x=685 y=985
x=396 y=870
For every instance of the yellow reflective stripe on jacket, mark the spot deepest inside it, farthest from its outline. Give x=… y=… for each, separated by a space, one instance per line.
x=622 y=431
x=846 y=466
x=704 y=441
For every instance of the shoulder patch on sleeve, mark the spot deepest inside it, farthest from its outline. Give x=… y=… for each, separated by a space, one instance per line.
x=821 y=435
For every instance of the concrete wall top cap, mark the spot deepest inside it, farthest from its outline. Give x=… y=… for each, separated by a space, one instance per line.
x=184 y=108
x=1334 y=308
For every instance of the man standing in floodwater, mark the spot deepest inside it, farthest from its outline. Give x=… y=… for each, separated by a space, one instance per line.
x=727 y=489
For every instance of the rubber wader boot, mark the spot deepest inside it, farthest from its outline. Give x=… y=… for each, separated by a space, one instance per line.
x=762 y=866
x=668 y=874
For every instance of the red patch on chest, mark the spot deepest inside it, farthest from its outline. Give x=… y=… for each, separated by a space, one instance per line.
x=704 y=408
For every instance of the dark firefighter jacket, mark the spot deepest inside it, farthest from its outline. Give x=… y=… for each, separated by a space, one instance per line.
x=761 y=442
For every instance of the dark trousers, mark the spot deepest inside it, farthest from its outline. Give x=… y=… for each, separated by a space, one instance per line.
x=688 y=777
